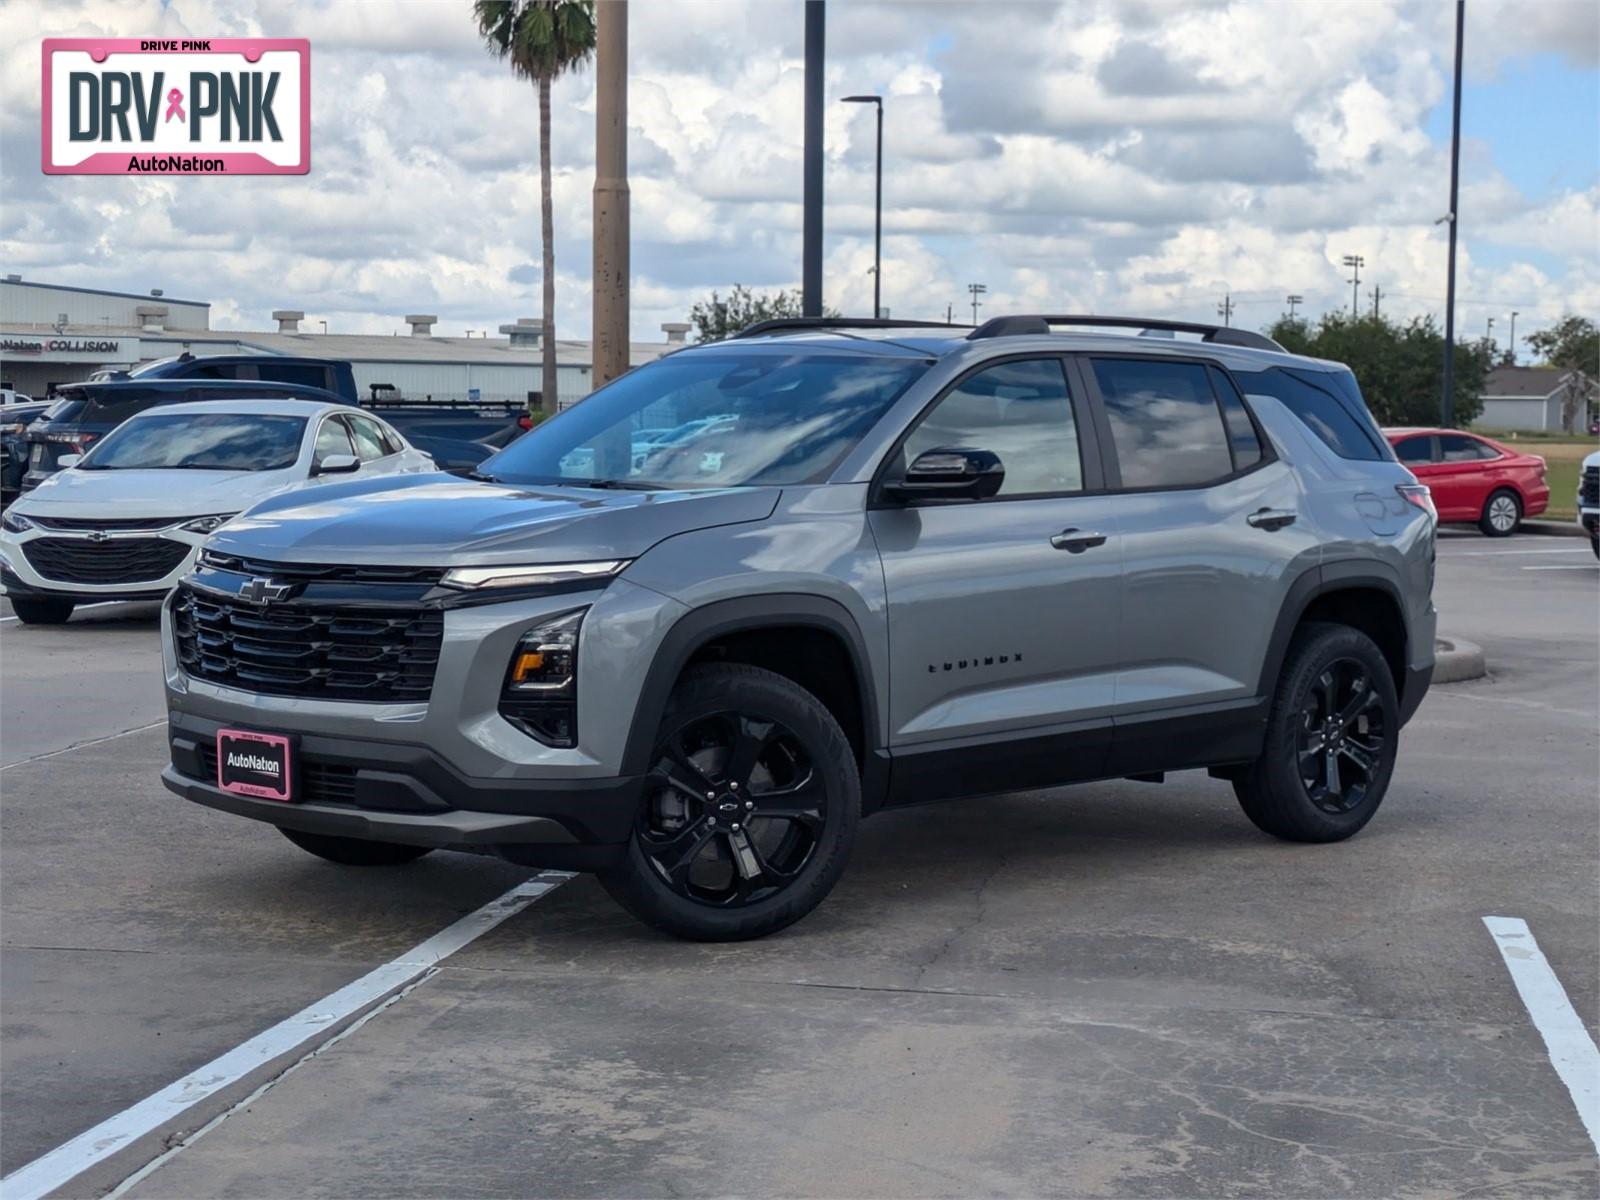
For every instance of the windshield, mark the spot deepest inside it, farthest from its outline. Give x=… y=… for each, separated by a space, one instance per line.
x=713 y=419
x=199 y=442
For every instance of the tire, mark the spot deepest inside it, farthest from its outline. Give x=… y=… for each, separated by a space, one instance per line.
x=1285 y=792
x=354 y=852
x=749 y=811
x=35 y=611
x=1594 y=544
x=1502 y=513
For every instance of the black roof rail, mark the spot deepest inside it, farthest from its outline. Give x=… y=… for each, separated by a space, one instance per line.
x=1222 y=335
x=801 y=324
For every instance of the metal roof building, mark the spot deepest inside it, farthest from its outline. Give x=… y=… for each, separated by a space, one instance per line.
x=51 y=334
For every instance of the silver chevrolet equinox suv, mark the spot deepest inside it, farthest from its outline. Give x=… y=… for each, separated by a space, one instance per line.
x=687 y=633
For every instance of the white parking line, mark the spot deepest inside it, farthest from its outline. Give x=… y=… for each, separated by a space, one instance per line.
x=1508 y=553
x=110 y=737
x=69 y=1160
x=1564 y=567
x=1571 y=1049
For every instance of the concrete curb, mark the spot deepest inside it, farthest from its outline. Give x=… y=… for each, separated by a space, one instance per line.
x=1456 y=659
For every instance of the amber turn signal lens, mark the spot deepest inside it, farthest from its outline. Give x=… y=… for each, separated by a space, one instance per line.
x=528 y=664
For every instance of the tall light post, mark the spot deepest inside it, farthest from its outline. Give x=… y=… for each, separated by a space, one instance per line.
x=976 y=289
x=877 y=210
x=1355 y=262
x=611 y=266
x=1488 y=333
x=812 y=161
x=1294 y=300
x=1447 y=402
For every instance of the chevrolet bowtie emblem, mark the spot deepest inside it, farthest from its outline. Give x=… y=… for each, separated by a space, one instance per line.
x=97 y=535
x=263 y=591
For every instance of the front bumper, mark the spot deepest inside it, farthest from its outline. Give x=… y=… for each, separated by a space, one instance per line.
x=18 y=576
x=393 y=792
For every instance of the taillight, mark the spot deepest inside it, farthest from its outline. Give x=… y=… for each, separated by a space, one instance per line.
x=1418 y=495
x=524 y=422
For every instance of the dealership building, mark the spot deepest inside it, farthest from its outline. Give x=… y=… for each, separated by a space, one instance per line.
x=51 y=334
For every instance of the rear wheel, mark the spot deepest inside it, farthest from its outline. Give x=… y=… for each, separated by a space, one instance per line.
x=750 y=809
x=33 y=610
x=1331 y=739
x=1502 y=513
x=354 y=852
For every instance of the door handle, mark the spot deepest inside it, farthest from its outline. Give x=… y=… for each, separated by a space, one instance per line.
x=1272 y=518
x=1076 y=541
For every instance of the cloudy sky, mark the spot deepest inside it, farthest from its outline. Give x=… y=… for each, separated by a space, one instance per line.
x=1116 y=157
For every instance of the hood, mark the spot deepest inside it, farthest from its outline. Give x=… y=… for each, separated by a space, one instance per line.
x=440 y=520
x=151 y=493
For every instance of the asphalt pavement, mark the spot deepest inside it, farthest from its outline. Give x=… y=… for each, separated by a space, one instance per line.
x=1119 y=989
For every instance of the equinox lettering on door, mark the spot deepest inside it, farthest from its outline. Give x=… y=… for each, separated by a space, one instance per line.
x=213 y=106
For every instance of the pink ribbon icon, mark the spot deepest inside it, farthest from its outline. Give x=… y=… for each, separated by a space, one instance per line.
x=175 y=105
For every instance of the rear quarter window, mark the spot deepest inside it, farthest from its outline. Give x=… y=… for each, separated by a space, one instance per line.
x=1319 y=399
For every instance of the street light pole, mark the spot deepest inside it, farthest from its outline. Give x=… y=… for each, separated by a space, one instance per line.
x=877 y=211
x=811 y=158
x=1356 y=262
x=1294 y=300
x=1447 y=402
x=1512 y=349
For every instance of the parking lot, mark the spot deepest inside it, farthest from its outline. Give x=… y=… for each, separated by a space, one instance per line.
x=1118 y=989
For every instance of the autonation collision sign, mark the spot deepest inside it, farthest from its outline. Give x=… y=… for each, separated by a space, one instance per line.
x=212 y=106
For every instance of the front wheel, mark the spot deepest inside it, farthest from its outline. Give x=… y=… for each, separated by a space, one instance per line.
x=354 y=852
x=41 y=611
x=749 y=811
x=1502 y=513
x=1331 y=739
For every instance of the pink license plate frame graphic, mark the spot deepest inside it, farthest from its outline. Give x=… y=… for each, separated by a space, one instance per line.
x=274 y=741
x=117 y=161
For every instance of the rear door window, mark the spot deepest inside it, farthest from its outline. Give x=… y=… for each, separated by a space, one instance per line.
x=1166 y=425
x=1242 y=436
x=333 y=438
x=1455 y=447
x=1415 y=450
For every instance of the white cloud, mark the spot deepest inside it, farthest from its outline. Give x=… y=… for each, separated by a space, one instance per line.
x=1106 y=155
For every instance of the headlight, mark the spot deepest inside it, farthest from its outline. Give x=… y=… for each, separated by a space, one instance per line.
x=206 y=524
x=473 y=578
x=16 y=522
x=540 y=696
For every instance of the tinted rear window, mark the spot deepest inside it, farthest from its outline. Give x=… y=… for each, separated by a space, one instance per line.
x=1320 y=400
x=1165 y=422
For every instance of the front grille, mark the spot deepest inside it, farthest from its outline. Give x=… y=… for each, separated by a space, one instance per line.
x=291 y=572
x=320 y=782
x=117 y=560
x=311 y=650
x=1590 y=488
x=104 y=522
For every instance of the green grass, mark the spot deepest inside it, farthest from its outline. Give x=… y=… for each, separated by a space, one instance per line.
x=1562 y=476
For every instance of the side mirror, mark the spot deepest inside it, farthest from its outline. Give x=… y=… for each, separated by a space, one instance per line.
x=68 y=460
x=336 y=464
x=950 y=475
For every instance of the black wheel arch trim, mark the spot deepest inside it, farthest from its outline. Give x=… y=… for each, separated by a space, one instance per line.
x=1344 y=575
x=702 y=625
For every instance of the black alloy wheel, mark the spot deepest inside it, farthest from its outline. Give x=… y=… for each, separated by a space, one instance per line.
x=748 y=810
x=1332 y=737
x=735 y=809
x=1342 y=735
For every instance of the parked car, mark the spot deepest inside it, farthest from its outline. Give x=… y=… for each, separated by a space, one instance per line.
x=923 y=563
x=83 y=413
x=1589 y=500
x=14 y=422
x=1474 y=480
x=324 y=374
x=125 y=521
x=10 y=396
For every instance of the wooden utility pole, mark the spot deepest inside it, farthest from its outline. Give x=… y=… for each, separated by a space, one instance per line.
x=611 y=192
x=812 y=162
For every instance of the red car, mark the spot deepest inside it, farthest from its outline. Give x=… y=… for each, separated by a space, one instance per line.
x=1474 y=479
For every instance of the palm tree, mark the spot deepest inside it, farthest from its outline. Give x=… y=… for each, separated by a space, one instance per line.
x=543 y=39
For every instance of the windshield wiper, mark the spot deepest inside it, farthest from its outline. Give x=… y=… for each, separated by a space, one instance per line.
x=616 y=485
x=482 y=477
